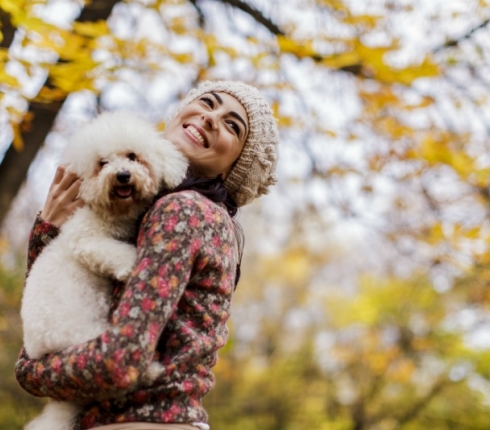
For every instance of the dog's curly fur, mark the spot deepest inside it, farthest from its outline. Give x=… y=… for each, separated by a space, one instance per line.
x=123 y=162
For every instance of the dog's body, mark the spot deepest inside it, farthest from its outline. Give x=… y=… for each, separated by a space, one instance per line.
x=122 y=162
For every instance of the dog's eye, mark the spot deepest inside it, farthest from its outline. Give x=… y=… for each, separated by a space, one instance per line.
x=102 y=163
x=132 y=156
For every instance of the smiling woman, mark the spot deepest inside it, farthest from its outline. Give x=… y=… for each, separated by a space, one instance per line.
x=173 y=308
x=211 y=132
x=253 y=171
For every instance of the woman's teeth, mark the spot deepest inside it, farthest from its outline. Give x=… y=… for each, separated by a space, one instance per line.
x=196 y=134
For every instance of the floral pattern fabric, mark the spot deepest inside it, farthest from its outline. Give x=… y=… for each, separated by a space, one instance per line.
x=173 y=309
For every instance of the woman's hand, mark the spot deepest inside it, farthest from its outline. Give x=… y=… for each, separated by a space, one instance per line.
x=62 y=199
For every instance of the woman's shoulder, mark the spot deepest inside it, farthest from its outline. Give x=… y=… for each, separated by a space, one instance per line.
x=189 y=202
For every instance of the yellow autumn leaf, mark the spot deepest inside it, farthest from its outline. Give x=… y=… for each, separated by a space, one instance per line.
x=467 y=233
x=17 y=142
x=409 y=74
x=371 y=56
x=7 y=79
x=425 y=102
x=47 y=95
x=402 y=371
x=11 y=6
x=336 y=5
x=462 y=163
x=362 y=20
x=182 y=57
x=394 y=128
x=436 y=233
x=301 y=49
x=178 y=25
x=91 y=29
x=343 y=59
x=364 y=310
x=72 y=76
x=379 y=100
x=35 y=24
x=434 y=150
x=480 y=177
x=378 y=361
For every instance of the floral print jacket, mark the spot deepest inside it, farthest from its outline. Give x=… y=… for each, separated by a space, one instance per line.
x=173 y=309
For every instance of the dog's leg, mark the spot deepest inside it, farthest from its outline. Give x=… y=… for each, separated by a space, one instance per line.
x=55 y=416
x=106 y=256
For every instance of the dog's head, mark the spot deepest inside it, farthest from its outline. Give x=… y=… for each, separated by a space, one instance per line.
x=123 y=161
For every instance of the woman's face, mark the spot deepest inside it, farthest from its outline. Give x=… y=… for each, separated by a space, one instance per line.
x=211 y=132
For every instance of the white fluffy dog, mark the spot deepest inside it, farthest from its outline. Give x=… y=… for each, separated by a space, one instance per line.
x=122 y=161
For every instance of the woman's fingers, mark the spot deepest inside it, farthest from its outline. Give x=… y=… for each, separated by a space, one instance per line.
x=62 y=199
x=58 y=176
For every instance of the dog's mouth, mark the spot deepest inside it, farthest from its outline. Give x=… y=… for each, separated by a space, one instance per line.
x=123 y=191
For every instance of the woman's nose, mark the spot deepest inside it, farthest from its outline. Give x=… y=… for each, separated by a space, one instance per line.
x=210 y=120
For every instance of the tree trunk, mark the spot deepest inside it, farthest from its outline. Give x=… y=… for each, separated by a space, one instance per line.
x=15 y=164
x=8 y=30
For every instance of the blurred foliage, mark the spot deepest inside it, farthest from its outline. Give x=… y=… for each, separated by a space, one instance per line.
x=16 y=406
x=393 y=354
x=365 y=294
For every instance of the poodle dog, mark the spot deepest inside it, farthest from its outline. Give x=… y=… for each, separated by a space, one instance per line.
x=123 y=162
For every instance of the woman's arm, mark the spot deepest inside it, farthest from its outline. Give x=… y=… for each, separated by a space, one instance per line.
x=111 y=365
x=60 y=204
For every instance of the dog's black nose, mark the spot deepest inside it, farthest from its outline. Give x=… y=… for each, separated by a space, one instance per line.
x=123 y=177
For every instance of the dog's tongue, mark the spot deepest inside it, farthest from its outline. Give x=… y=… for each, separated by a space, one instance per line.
x=123 y=191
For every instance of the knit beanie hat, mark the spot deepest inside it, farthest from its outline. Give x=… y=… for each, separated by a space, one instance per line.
x=254 y=170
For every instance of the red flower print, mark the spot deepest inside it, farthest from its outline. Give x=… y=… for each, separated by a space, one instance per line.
x=127 y=330
x=195 y=246
x=188 y=386
x=136 y=356
x=156 y=238
x=81 y=361
x=153 y=332
x=124 y=309
x=162 y=271
x=119 y=355
x=148 y=304
x=56 y=365
x=194 y=221
x=171 y=223
x=143 y=264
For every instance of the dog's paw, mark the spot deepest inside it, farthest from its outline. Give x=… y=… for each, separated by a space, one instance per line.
x=123 y=273
x=125 y=263
x=153 y=372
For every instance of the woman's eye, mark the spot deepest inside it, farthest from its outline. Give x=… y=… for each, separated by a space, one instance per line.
x=102 y=163
x=234 y=127
x=132 y=156
x=208 y=101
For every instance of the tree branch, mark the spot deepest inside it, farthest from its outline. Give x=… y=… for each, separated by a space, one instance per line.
x=467 y=35
x=413 y=411
x=200 y=14
x=255 y=14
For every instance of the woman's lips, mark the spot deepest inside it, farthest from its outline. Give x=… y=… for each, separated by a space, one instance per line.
x=197 y=135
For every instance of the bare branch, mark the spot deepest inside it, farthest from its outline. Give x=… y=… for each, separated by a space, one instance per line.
x=200 y=14
x=467 y=35
x=255 y=14
x=414 y=410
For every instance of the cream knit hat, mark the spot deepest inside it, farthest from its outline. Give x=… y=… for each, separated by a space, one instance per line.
x=254 y=171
